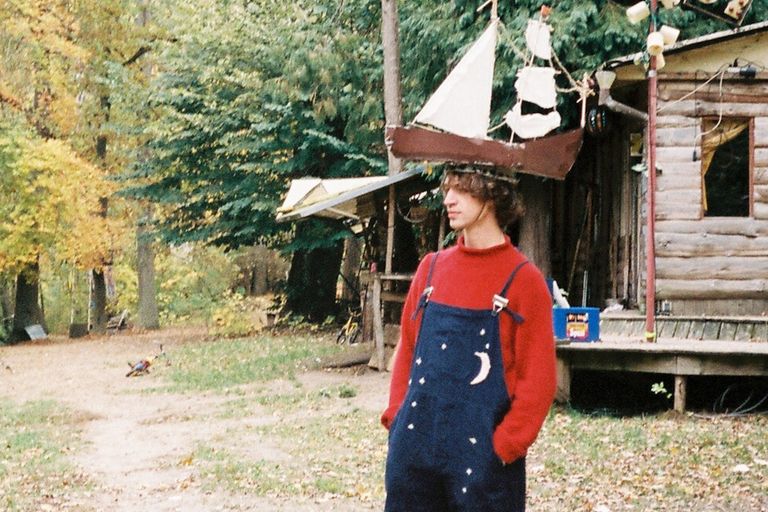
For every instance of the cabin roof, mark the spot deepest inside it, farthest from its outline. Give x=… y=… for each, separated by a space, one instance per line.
x=345 y=198
x=704 y=55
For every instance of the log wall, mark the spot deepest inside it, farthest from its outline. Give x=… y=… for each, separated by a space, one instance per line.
x=709 y=265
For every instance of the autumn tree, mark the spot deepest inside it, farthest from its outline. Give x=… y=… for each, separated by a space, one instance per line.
x=41 y=68
x=45 y=214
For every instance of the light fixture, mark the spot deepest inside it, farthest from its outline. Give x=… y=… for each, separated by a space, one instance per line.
x=660 y=62
x=670 y=34
x=748 y=71
x=669 y=4
x=655 y=43
x=638 y=12
x=605 y=79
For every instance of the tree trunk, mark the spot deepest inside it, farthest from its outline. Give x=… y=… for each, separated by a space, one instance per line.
x=6 y=304
x=99 y=283
x=148 y=316
x=390 y=41
x=536 y=222
x=311 y=288
x=27 y=311
x=260 y=271
x=353 y=252
x=393 y=110
x=99 y=303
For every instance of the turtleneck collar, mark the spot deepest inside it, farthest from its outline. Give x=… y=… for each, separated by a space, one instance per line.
x=485 y=251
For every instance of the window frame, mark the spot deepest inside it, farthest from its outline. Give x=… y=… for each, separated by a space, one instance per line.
x=750 y=167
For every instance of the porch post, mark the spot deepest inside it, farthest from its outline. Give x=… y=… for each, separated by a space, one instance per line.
x=393 y=112
x=650 y=249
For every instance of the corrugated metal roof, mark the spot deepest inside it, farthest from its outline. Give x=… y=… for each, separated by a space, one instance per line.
x=335 y=198
x=696 y=42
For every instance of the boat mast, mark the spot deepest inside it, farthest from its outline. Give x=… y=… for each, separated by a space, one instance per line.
x=494 y=9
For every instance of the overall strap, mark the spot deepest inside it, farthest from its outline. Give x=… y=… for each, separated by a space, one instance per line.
x=428 y=288
x=500 y=300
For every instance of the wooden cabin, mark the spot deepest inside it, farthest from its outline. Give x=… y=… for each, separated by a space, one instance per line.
x=711 y=196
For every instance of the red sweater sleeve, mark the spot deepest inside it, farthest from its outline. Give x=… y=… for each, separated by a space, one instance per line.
x=533 y=373
x=409 y=329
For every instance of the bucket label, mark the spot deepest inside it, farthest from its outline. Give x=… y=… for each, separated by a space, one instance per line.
x=577 y=326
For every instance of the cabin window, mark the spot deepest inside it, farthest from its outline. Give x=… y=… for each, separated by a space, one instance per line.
x=725 y=167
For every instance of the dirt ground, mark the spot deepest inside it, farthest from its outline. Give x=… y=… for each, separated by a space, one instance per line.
x=135 y=442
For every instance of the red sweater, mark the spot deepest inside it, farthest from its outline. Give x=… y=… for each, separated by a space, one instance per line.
x=468 y=278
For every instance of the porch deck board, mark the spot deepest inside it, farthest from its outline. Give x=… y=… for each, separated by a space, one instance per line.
x=672 y=356
x=682 y=329
x=727 y=331
x=697 y=330
x=711 y=330
x=744 y=332
x=760 y=332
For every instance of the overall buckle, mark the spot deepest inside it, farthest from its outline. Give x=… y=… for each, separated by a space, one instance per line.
x=499 y=303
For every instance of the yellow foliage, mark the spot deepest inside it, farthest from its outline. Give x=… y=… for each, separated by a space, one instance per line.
x=239 y=316
x=53 y=204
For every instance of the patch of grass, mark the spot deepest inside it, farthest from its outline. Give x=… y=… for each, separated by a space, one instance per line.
x=35 y=439
x=222 y=468
x=347 y=448
x=223 y=364
x=665 y=462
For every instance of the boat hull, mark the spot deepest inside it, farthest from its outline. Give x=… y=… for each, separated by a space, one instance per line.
x=551 y=156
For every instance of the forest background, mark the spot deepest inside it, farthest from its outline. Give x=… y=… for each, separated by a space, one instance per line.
x=146 y=144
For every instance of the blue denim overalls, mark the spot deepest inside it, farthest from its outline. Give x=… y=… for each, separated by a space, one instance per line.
x=441 y=455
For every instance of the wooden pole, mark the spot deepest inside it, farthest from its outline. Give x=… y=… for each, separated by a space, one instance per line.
x=393 y=112
x=650 y=249
x=680 y=393
x=378 y=324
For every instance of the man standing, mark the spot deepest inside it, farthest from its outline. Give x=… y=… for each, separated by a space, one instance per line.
x=474 y=375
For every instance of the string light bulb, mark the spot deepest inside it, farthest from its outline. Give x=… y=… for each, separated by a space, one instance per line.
x=638 y=12
x=670 y=34
x=655 y=43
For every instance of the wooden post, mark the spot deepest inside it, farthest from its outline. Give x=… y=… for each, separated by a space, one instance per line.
x=563 y=393
x=650 y=249
x=681 y=388
x=393 y=110
x=378 y=326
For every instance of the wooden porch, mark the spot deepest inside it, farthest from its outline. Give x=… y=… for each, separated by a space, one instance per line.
x=679 y=357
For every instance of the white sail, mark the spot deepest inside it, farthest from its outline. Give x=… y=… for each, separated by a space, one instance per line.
x=531 y=126
x=462 y=103
x=537 y=85
x=537 y=38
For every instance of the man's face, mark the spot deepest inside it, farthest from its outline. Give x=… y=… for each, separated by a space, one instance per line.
x=464 y=210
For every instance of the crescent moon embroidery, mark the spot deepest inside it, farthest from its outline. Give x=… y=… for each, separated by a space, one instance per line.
x=485 y=368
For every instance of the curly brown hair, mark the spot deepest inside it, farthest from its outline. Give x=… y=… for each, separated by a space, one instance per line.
x=486 y=186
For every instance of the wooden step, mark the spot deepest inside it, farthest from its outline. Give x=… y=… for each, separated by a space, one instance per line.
x=688 y=327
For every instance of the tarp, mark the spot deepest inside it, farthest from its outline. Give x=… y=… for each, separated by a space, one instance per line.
x=336 y=198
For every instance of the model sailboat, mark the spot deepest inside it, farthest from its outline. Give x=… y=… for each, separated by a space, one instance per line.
x=453 y=125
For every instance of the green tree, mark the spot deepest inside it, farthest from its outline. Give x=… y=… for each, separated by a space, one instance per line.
x=250 y=95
